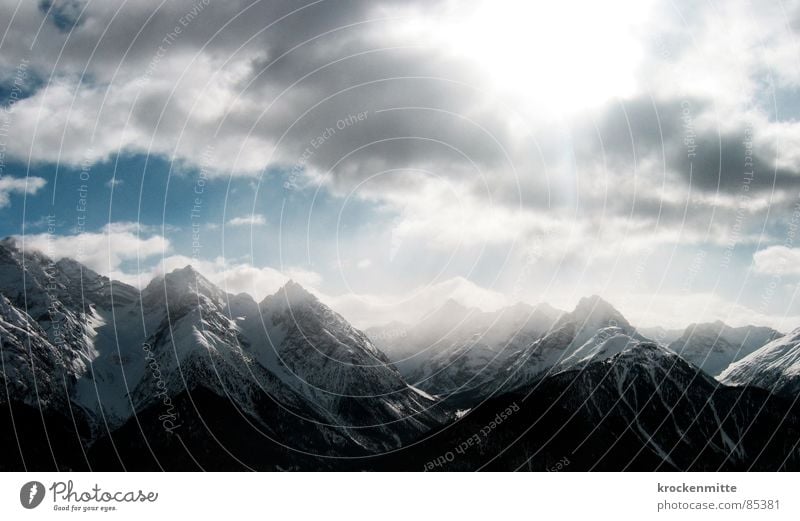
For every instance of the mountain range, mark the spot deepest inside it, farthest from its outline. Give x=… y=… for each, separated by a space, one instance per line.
x=98 y=375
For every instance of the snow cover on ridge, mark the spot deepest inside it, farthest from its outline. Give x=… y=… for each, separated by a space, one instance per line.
x=455 y=348
x=593 y=329
x=714 y=346
x=111 y=351
x=774 y=367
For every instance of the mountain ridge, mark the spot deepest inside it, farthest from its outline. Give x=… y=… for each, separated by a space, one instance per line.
x=129 y=379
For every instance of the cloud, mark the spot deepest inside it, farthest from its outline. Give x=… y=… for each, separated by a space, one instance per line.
x=677 y=311
x=103 y=251
x=16 y=185
x=234 y=277
x=108 y=250
x=778 y=260
x=367 y=310
x=255 y=219
x=258 y=97
x=631 y=128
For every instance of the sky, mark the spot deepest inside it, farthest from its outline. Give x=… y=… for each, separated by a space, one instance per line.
x=389 y=155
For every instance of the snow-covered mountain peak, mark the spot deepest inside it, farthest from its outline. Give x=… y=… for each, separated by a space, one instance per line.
x=794 y=335
x=646 y=356
x=590 y=316
x=643 y=361
x=714 y=346
x=295 y=298
x=75 y=269
x=15 y=247
x=775 y=366
x=606 y=343
x=186 y=275
x=180 y=283
x=594 y=329
x=645 y=350
x=594 y=311
x=294 y=293
x=707 y=327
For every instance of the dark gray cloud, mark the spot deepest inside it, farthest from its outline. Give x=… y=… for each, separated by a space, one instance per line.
x=267 y=79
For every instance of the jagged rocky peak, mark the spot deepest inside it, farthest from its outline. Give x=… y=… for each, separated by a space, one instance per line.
x=8 y=249
x=13 y=257
x=187 y=275
x=294 y=292
x=66 y=280
x=647 y=355
x=14 y=252
x=293 y=304
x=293 y=296
x=706 y=327
x=243 y=297
x=10 y=245
x=595 y=310
x=73 y=268
x=775 y=366
x=713 y=346
x=644 y=350
x=592 y=314
x=182 y=281
x=186 y=278
x=241 y=305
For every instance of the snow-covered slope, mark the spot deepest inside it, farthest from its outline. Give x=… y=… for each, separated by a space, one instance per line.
x=661 y=335
x=642 y=409
x=290 y=350
x=455 y=347
x=606 y=343
x=316 y=352
x=36 y=285
x=650 y=400
x=80 y=350
x=714 y=346
x=112 y=351
x=774 y=367
x=593 y=329
x=68 y=307
x=32 y=370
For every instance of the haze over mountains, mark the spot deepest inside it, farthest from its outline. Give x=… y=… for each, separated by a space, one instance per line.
x=181 y=375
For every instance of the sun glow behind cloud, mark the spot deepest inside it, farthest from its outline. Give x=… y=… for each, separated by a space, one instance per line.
x=553 y=137
x=560 y=56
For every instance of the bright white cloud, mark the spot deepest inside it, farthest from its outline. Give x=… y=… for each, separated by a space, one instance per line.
x=499 y=168
x=367 y=310
x=103 y=251
x=676 y=311
x=778 y=260
x=106 y=252
x=255 y=219
x=16 y=185
x=538 y=51
x=239 y=277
